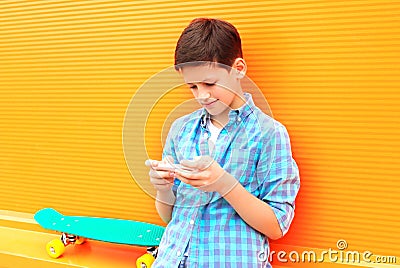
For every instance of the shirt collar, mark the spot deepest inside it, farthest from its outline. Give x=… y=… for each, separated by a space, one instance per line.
x=242 y=112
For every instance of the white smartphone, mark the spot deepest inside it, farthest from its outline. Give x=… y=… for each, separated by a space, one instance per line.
x=172 y=167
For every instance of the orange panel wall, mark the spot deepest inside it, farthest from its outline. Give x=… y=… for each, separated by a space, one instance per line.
x=328 y=69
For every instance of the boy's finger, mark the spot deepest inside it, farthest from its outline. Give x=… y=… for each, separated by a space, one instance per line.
x=160 y=174
x=188 y=175
x=182 y=179
x=148 y=162
x=189 y=163
x=161 y=182
x=190 y=181
x=151 y=163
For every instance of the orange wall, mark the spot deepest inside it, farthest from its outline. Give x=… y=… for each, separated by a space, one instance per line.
x=329 y=70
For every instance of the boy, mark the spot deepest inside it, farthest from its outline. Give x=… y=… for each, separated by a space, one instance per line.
x=237 y=182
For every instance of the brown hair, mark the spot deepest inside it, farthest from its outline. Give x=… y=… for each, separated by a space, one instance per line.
x=208 y=40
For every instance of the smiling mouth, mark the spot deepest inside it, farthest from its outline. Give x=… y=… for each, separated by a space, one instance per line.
x=209 y=103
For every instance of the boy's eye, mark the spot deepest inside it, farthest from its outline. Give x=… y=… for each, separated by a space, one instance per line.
x=207 y=84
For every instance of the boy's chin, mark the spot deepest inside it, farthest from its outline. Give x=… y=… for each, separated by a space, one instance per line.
x=216 y=111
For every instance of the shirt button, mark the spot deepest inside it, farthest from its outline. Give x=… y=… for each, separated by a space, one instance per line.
x=205 y=135
x=178 y=253
x=239 y=119
x=191 y=222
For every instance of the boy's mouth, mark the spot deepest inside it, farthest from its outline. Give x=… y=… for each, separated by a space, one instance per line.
x=208 y=104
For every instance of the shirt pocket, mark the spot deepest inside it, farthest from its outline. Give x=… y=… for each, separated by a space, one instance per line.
x=242 y=165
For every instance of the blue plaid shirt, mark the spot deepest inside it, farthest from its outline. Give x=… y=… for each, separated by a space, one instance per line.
x=204 y=228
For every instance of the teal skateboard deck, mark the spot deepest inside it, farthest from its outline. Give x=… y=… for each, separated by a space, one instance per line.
x=119 y=231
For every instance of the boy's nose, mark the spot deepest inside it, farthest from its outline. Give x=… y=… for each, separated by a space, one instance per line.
x=203 y=93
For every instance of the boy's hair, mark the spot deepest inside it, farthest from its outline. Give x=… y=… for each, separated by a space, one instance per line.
x=208 y=40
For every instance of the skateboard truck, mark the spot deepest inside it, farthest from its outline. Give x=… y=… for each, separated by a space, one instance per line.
x=56 y=247
x=153 y=251
x=68 y=239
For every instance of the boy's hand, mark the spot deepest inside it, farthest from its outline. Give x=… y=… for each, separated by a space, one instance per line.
x=207 y=175
x=161 y=179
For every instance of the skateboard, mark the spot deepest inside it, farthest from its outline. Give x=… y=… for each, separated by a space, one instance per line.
x=76 y=229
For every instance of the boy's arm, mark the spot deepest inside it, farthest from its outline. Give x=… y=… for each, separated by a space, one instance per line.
x=255 y=212
x=164 y=204
x=163 y=181
x=165 y=200
x=272 y=211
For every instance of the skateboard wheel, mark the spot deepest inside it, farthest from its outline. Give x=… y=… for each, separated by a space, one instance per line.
x=55 y=248
x=145 y=261
x=80 y=240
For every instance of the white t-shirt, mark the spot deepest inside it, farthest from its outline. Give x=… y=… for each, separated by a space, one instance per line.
x=214 y=131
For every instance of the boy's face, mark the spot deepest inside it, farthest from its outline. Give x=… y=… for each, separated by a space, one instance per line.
x=214 y=87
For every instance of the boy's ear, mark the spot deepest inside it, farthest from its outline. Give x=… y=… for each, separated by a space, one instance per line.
x=240 y=66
